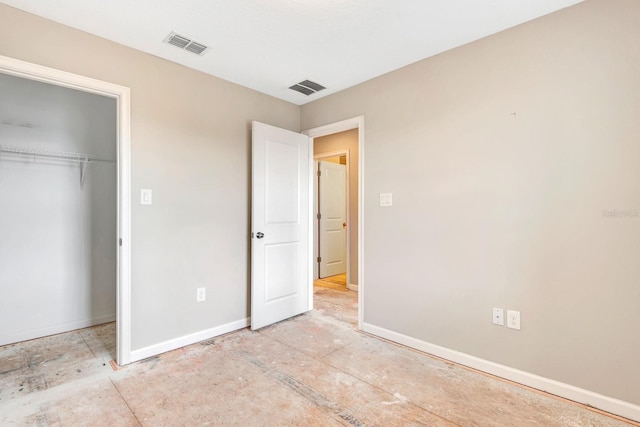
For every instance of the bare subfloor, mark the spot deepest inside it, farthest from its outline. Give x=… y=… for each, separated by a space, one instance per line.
x=313 y=370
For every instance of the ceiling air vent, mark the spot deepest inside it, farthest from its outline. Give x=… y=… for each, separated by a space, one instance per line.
x=185 y=43
x=307 y=87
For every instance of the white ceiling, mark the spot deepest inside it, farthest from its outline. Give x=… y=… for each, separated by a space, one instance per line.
x=270 y=45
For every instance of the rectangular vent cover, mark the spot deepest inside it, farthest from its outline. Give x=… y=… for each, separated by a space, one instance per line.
x=307 y=87
x=185 y=43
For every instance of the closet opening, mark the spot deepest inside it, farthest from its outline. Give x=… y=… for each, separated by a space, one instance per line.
x=62 y=144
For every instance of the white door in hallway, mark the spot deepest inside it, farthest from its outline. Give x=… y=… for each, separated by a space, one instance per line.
x=281 y=225
x=333 y=218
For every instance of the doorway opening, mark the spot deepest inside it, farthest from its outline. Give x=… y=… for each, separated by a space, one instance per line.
x=332 y=208
x=70 y=150
x=337 y=216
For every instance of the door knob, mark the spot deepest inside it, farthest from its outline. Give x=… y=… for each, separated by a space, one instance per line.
x=344 y=224
x=260 y=235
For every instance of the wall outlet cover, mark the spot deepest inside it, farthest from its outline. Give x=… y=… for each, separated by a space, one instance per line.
x=513 y=319
x=498 y=316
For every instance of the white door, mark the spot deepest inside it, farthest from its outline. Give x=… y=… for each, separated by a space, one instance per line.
x=333 y=219
x=281 y=225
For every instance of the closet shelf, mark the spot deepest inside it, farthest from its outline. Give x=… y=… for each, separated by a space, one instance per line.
x=76 y=157
x=82 y=159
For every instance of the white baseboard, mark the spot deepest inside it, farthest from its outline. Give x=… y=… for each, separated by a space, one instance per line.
x=155 y=349
x=56 y=329
x=352 y=287
x=596 y=400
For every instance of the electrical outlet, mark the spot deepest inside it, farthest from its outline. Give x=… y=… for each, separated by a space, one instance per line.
x=513 y=319
x=201 y=295
x=498 y=316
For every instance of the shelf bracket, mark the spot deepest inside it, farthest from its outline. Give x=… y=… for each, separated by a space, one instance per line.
x=83 y=170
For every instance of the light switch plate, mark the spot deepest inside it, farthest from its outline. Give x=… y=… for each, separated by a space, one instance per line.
x=145 y=196
x=386 y=199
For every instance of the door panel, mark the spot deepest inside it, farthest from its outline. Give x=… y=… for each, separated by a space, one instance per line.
x=281 y=272
x=282 y=196
x=281 y=225
x=333 y=236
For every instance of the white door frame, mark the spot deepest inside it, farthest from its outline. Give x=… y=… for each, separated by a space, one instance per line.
x=348 y=124
x=321 y=156
x=121 y=94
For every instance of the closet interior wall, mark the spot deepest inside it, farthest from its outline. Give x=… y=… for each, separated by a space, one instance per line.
x=58 y=244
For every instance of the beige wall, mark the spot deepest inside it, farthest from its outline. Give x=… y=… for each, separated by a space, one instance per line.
x=502 y=156
x=190 y=144
x=347 y=140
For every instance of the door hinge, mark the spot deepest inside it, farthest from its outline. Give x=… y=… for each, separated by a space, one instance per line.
x=120 y=241
x=319 y=259
x=319 y=173
x=319 y=216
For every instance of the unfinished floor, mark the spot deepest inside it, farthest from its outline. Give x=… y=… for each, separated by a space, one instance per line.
x=312 y=370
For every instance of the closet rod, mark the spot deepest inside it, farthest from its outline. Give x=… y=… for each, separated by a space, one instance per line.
x=74 y=157
x=82 y=159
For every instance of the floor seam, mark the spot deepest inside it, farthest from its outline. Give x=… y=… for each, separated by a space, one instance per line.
x=88 y=346
x=387 y=391
x=125 y=402
x=307 y=392
x=320 y=358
